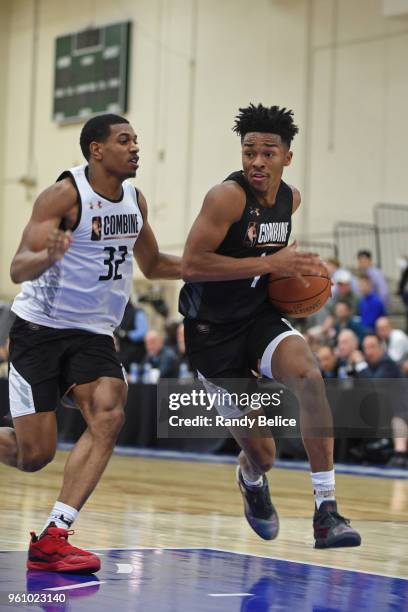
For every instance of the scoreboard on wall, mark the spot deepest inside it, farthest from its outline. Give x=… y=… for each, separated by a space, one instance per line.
x=91 y=72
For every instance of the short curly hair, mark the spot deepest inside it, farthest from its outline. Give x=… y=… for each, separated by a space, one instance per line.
x=274 y=120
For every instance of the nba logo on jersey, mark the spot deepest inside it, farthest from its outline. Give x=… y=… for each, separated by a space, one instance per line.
x=251 y=234
x=96 y=233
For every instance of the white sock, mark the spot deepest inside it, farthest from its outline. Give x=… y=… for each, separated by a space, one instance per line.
x=323 y=485
x=251 y=483
x=62 y=515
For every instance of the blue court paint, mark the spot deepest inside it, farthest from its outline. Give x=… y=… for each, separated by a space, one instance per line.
x=204 y=580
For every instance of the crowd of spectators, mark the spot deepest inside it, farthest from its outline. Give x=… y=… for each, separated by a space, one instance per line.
x=352 y=337
x=148 y=354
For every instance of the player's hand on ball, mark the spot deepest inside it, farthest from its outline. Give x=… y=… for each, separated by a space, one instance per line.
x=58 y=243
x=288 y=261
x=299 y=284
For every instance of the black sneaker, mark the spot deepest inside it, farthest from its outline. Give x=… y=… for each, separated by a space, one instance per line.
x=331 y=530
x=259 y=510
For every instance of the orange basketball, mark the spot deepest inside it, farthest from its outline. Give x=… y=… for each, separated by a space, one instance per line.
x=292 y=298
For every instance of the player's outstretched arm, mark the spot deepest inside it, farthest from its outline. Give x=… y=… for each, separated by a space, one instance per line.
x=223 y=206
x=42 y=243
x=150 y=260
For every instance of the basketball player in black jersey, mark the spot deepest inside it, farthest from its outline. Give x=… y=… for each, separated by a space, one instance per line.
x=240 y=236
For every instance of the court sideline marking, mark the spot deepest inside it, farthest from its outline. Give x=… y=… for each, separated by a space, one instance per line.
x=341 y=468
x=79 y=585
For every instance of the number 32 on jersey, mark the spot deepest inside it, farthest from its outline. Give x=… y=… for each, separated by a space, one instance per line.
x=116 y=256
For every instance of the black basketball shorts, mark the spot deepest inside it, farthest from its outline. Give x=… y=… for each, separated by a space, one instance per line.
x=233 y=350
x=46 y=362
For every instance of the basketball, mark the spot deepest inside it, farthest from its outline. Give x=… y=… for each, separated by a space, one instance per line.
x=294 y=299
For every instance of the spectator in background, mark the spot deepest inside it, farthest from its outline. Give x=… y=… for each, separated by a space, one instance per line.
x=131 y=333
x=328 y=362
x=170 y=330
x=183 y=360
x=403 y=291
x=160 y=357
x=365 y=266
x=395 y=340
x=336 y=272
x=380 y=365
x=4 y=351
x=351 y=359
x=343 y=291
x=4 y=355
x=6 y=320
x=315 y=338
x=370 y=307
x=404 y=368
x=344 y=319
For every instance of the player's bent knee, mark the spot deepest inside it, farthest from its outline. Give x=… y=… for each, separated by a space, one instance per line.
x=117 y=419
x=34 y=462
x=108 y=422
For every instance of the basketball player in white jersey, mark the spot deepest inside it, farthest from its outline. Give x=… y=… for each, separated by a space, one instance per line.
x=75 y=263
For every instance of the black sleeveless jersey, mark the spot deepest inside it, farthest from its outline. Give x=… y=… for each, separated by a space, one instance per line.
x=260 y=231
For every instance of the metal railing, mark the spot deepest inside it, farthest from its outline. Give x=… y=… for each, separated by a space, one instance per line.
x=386 y=238
x=391 y=221
x=324 y=249
x=352 y=237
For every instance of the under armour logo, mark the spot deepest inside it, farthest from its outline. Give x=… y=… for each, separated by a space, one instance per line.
x=97 y=205
x=254 y=211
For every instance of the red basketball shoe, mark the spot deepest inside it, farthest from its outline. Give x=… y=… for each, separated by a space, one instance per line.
x=52 y=552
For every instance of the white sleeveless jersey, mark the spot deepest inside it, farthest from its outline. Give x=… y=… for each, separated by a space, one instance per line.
x=90 y=286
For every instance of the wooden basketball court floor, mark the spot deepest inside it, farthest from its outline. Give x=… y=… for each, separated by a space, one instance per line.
x=172 y=536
